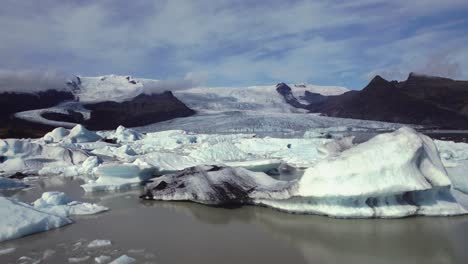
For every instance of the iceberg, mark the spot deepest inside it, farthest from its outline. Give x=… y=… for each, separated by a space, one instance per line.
x=20 y=219
x=112 y=177
x=216 y=185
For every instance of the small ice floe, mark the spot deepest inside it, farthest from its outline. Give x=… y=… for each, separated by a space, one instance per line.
x=99 y=243
x=4 y=251
x=102 y=259
x=59 y=204
x=124 y=259
x=78 y=259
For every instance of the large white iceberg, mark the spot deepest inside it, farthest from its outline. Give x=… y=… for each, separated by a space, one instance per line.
x=19 y=219
x=391 y=163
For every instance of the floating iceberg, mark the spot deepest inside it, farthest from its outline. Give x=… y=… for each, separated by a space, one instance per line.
x=19 y=219
x=59 y=204
x=216 y=185
x=113 y=177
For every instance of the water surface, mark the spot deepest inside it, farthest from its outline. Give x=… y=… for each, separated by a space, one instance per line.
x=182 y=232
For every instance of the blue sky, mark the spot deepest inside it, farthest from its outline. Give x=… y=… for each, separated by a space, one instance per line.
x=230 y=43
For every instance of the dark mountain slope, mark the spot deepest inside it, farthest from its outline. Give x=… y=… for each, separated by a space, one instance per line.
x=428 y=101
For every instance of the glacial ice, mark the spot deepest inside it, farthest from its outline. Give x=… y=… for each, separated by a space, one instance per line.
x=78 y=134
x=102 y=259
x=58 y=203
x=29 y=156
x=215 y=185
x=378 y=167
x=20 y=219
x=113 y=177
x=99 y=243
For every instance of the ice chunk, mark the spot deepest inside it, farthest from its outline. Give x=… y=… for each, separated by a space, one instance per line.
x=99 y=243
x=123 y=135
x=60 y=204
x=102 y=259
x=4 y=251
x=118 y=177
x=24 y=155
x=19 y=219
x=217 y=185
x=80 y=134
x=6 y=183
x=336 y=146
x=56 y=135
x=391 y=163
x=124 y=259
x=434 y=202
x=78 y=259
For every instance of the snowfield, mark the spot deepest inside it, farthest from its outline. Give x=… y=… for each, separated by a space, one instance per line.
x=324 y=171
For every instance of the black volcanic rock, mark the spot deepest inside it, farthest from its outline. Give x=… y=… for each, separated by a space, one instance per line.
x=429 y=101
x=142 y=110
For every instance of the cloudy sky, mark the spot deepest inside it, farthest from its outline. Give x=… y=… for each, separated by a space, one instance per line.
x=234 y=42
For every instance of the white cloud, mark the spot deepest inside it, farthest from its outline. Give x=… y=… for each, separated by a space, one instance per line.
x=32 y=81
x=240 y=41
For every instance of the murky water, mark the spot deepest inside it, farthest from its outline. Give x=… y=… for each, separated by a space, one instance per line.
x=180 y=232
